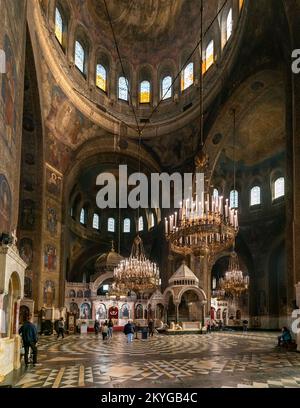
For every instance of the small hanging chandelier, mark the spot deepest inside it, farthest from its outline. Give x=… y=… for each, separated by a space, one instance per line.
x=136 y=273
x=234 y=282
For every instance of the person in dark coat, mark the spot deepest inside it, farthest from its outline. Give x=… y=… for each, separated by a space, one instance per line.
x=96 y=326
x=129 y=331
x=29 y=337
x=61 y=328
x=110 y=328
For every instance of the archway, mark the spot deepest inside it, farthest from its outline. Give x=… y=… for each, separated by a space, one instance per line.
x=190 y=307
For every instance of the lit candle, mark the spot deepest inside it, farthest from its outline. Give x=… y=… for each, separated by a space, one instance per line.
x=175 y=222
x=166 y=226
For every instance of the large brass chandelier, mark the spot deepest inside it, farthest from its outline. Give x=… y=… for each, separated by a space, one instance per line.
x=234 y=282
x=202 y=226
x=136 y=273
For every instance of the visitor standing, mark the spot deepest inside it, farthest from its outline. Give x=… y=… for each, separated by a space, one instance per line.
x=129 y=331
x=61 y=328
x=110 y=328
x=151 y=327
x=104 y=331
x=29 y=337
x=96 y=326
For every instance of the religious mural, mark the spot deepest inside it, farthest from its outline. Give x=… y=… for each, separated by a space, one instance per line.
x=28 y=287
x=53 y=182
x=101 y=312
x=8 y=97
x=124 y=311
x=49 y=293
x=5 y=205
x=26 y=250
x=27 y=214
x=85 y=311
x=51 y=220
x=74 y=309
x=50 y=257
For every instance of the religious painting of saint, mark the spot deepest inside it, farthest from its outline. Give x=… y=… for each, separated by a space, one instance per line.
x=101 y=312
x=125 y=311
x=139 y=311
x=74 y=309
x=53 y=182
x=8 y=95
x=28 y=214
x=26 y=250
x=51 y=220
x=49 y=293
x=50 y=257
x=5 y=205
x=28 y=287
x=85 y=311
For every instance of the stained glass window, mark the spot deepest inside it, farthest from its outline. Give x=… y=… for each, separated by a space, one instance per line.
x=111 y=225
x=229 y=23
x=187 y=77
x=279 y=188
x=255 y=195
x=58 y=26
x=126 y=225
x=101 y=77
x=82 y=217
x=79 y=56
x=123 y=88
x=96 y=220
x=145 y=88
x=166 y=87
x=141 y=224
x=152 y=222
x=209 y=57
x=234 y=199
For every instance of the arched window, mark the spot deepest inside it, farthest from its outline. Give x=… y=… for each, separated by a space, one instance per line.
x=209 y=57
x=145 y=89
x=79 y=57
x=215 y=194
x=83 y=216
x=96 y=221
x=123 y=88
x=141 y=224
x=111 y=225
x=234 y=199
x=166 y=87
x=187 y=76
x=59 y=26
x=229 y=24
x=255 y=195
x=126 y=225
x=278 y=188
x=101 y=77
x=151 y=221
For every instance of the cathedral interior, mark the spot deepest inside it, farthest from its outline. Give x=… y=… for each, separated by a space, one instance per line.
x=159 y=87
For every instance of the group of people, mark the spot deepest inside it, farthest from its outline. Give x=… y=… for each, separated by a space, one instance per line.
x=106 y=329
x=130 y=328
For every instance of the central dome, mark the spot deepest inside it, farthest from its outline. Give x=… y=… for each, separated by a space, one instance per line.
x=139 y=19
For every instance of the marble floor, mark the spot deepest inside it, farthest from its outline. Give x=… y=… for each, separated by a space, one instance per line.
x=220 y=359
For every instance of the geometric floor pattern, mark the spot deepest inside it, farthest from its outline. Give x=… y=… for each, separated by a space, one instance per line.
x=220 y=359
